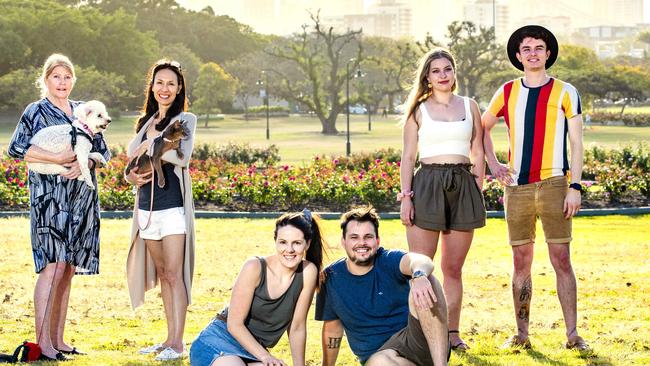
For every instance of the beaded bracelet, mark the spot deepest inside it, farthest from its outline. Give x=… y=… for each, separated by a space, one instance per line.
x=403 y=194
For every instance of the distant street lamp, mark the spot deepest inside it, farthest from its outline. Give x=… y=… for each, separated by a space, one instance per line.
x=264 y=93
x=347 y=97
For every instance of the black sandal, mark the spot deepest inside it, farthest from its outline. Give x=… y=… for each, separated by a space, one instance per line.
x=74 y=351
x=460 y=346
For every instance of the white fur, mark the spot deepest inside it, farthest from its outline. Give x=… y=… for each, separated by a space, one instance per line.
x=57 y=139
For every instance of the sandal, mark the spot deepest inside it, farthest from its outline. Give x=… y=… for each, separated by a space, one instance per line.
x=460 y=346
x=516 y=342
x=578 y=344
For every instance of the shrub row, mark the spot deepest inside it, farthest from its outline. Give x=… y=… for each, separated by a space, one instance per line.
x=240 y=177
x=628 y=119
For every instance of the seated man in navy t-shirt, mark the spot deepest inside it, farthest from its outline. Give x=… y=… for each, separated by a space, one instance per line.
x=367 y=294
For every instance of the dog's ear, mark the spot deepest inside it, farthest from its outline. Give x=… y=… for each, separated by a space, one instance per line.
x=82 y=112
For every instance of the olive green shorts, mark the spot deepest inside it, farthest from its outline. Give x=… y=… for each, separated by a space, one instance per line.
x=411 y=344
x=544 y=199
x=446 y=197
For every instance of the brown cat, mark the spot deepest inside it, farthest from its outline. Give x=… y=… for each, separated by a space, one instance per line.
x=169 y=139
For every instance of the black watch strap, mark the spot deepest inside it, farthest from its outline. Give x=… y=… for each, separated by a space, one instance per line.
x=576 y=186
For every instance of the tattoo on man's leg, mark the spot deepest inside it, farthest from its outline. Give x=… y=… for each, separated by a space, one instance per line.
x=525 y=294
x=334 y=342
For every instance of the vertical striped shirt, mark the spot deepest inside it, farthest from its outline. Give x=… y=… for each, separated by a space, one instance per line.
x=537 y=122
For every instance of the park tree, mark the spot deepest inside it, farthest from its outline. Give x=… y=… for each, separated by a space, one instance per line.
x=213 y=88
x=247 y=72
x=107 y=87
x=389 y=67
x=581 y=67
x=645 y=37
x=212 y=38
x=630 y=84
x=18 y=89
x=476 y=52
x=318 y=57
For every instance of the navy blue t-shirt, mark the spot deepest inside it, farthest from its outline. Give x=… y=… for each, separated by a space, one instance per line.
x=371 y=307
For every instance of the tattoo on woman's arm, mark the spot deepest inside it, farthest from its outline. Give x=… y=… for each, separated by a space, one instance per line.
x=333 y=342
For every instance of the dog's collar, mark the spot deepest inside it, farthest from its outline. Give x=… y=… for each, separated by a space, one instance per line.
x=86 y=129
x=167 y=140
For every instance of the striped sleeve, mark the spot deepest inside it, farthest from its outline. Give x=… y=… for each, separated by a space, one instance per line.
x=20 y=141
x=497 y=104
x=571 y=103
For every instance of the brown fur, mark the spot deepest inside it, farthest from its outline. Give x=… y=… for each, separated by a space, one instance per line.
x=173 y=133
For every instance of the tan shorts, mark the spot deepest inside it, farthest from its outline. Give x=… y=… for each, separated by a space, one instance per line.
x=545 y=199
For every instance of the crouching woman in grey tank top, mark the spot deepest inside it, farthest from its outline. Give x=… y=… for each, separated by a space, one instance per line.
x=271 y=294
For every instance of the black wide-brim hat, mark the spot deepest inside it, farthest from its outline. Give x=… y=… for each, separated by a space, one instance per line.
x=518 y=36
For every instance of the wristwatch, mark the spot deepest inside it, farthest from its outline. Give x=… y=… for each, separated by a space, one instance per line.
x=418 y=273
x=576 y=186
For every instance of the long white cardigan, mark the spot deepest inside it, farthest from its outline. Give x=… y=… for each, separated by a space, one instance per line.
x=140 y=268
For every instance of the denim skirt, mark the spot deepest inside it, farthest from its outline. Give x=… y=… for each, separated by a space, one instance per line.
x=215 y=341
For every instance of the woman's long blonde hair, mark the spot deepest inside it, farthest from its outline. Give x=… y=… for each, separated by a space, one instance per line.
x=420 y=90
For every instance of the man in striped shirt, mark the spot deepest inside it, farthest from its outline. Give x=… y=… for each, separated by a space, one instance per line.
x=540 y=112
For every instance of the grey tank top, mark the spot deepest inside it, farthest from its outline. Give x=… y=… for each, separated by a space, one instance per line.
x=268 y=318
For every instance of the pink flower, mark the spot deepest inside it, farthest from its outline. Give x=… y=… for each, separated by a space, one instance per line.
x=21 y=184
x=377 y=161
x=399 y=163
x=336 y=161
x=212 y=186
x=292 y=178
x=266 y=183
x=500 y=200
x=285 y=168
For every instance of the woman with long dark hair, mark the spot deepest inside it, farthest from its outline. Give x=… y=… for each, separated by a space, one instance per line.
x=442 y=199
x=271 y=294
x=162 y=235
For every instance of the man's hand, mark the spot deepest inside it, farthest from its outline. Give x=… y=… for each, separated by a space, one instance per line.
x=422 y=292
x=572 y=203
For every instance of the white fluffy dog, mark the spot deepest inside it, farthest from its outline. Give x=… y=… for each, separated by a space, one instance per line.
x=90 y=119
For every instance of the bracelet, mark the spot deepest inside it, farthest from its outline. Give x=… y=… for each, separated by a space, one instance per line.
x=403 y=194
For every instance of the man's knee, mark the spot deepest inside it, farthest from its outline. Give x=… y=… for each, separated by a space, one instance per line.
x=560 y=258
x=522 y=258
x=387 y=357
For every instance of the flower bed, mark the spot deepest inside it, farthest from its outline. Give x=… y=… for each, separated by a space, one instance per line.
x=612 y=178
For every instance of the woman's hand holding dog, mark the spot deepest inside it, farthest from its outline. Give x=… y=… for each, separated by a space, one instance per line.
x=138 y=179
x=68 y=159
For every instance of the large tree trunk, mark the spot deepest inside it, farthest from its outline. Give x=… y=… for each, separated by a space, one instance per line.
x=328 y=123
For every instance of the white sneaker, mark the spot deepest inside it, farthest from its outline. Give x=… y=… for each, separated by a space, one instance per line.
x=169 y=354
x=151 y=349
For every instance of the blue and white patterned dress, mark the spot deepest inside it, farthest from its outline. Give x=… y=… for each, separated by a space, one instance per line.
x=64 y=213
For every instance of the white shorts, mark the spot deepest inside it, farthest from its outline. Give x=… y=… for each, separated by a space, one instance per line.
x=164 y=222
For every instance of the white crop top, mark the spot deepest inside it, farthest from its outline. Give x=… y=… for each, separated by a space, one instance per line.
x=443 y=137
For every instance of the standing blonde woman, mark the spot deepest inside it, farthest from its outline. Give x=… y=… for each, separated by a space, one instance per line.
x=64 y=211
x=442 y=199
x=162 y=234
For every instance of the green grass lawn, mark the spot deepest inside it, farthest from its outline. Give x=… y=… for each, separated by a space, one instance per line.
x=299 y=137
x=610 y=256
